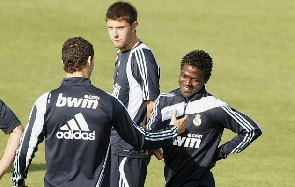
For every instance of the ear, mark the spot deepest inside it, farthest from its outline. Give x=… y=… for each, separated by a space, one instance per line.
x=62 y=62
x=89 y=61
x=134 y=25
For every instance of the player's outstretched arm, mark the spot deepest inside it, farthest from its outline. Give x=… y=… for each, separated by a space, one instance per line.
x=181 y=123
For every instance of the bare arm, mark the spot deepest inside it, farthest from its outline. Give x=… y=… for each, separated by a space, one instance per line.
x=11 y=146
x=150 y=106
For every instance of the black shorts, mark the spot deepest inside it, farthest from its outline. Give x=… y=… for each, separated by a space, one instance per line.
x=128 y=171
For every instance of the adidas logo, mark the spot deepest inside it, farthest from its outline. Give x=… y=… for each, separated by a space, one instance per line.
x=89 y=101
x=77 y=129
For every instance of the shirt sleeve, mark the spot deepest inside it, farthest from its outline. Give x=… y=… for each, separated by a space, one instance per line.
x=136 y=135
x=147 y=72
x=247 y=130
x=8 y=120
x=32 y=136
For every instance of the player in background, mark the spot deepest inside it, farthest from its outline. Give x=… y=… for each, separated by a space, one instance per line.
x=191 y=156
x=12 y=126
x=136 y=84
x=75 y=120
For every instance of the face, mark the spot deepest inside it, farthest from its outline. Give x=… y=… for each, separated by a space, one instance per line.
x=122 y=34
x=191 y=80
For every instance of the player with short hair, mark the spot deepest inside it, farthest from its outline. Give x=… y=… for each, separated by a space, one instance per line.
x=191 y=156
x=12 y=126
x=75 y=120
x=136 y=84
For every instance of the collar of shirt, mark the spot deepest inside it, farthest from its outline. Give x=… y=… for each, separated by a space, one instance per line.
x=76 y=81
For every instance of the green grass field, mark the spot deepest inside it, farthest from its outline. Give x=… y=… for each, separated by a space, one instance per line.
x=251 y=42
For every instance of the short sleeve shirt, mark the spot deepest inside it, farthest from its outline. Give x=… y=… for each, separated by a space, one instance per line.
x=8 y=120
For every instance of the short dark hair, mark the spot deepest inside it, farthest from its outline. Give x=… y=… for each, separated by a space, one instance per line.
x=75 y=52
x=121 y=10
x=199 y=59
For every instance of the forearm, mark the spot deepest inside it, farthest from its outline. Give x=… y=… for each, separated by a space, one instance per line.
x=11 y=146
x=150 y=106
x=247 y=130
x=160 y=138
x=238 y=143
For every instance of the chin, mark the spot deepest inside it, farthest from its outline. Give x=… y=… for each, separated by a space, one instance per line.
x=186 y=94
x=117 y=45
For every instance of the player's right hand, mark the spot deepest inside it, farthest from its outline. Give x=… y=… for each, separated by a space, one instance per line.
x=23 y=185
x=181 y=123
x=158 y=153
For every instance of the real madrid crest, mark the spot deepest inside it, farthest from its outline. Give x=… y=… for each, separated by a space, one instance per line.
x=197 y=120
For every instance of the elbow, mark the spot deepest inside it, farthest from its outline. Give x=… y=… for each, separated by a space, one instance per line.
x=258 y=132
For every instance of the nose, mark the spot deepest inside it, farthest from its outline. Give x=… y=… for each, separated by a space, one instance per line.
x=188 y=82
x=115 y=33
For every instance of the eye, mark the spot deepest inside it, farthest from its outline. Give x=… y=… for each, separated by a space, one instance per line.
x=183 y=75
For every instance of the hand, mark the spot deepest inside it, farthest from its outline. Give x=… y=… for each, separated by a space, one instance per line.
x=23 y=185
x=158 y=154
x=143 y=126
x=181 y=123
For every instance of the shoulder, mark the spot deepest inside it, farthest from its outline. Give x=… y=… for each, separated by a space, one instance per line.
x=143 y=50
x=43 y=99
x=4 y=108
x=142 y=46
x=2 y=104
x=169 y=97
x=208 y=102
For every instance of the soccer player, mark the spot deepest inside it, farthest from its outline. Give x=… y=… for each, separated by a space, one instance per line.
x=191 y=156
x=11 y=125
x=136 y=85
x=75 y=120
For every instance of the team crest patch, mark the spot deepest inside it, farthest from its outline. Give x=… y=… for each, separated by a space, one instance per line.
x=197 y=120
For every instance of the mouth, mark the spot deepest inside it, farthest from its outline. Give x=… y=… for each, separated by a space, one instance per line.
x=187 y=89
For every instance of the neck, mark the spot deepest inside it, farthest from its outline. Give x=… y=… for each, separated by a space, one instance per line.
x=135 y=44
x=77 y=74
x=131 y=45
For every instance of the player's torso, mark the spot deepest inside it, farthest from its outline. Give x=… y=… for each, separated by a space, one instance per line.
x=195 y=147
x=121 y=87
x=77 y=127
x=131 y=88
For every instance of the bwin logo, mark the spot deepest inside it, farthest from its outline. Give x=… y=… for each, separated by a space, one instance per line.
x=88 y=101
x=192 y=142
x=77 y=129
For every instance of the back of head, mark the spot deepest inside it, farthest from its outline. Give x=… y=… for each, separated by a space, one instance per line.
x=75 y=52
x=199 y=59
x=122 y=11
